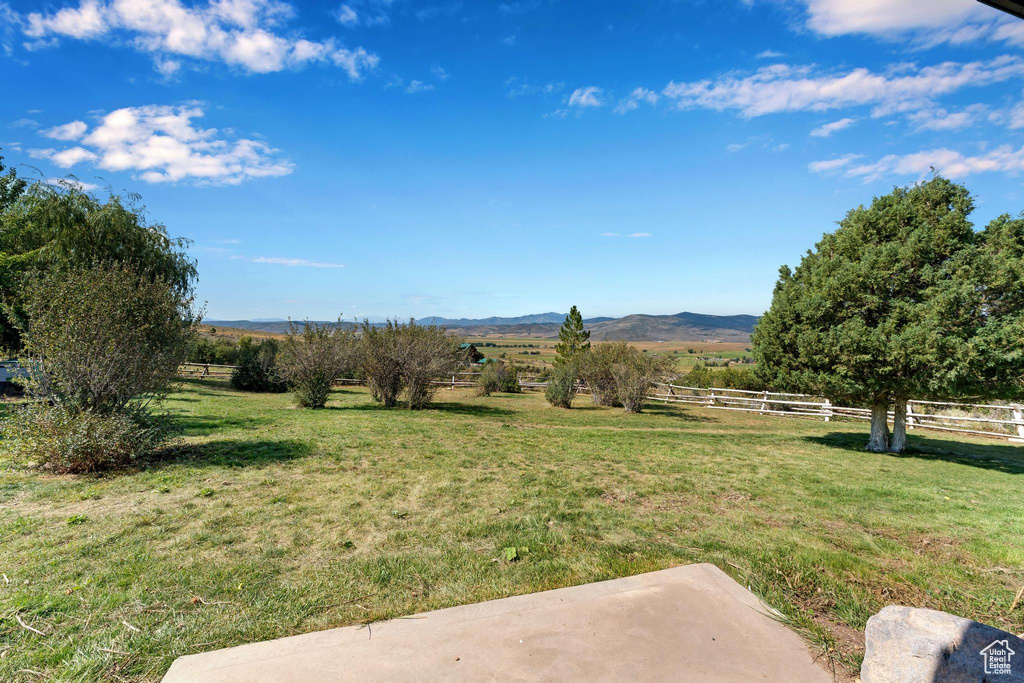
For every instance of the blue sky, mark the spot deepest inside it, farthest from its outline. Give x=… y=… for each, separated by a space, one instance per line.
x=392 y=157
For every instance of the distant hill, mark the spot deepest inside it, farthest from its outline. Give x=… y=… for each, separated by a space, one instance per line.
x=679 y=327
x=638 y=327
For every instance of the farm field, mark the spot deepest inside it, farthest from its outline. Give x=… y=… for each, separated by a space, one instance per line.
x=267 y=521
x=537 y=352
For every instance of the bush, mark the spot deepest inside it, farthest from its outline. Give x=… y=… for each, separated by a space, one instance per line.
x=562 y=386
x=406 y=359
x=380 y=363
x=309 y=360
x=510 y=381
x=101 y=338
x=257 y=367
x=596 y=371
x=498 y=377
x=65 y=440
x=489 y=380
x=635 y=374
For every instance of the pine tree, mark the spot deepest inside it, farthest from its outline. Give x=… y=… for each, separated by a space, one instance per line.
x=573 y=340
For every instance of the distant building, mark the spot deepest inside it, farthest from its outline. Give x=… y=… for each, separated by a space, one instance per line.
x=472 y=354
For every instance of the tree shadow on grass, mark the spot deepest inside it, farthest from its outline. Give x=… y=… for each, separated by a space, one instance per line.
x=994 y=456
x=438 y=406
x=231 y=453
x=670 y=411
x=198 y=425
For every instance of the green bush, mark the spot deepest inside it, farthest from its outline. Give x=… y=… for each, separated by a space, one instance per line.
x=510 y=380
x=70 y=441
x=406 y=358
x=596 y=370
x=311 y=358
x=562 y=386
x=489 y=380
x=256 y=368
x=635 y=373
x=498 y=377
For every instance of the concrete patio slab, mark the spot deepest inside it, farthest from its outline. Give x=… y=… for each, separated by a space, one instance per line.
x=689 y=623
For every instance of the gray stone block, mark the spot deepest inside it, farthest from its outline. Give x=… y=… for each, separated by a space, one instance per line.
x=912 y=645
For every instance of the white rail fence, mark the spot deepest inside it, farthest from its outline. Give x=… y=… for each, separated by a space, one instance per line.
x=1003 y=421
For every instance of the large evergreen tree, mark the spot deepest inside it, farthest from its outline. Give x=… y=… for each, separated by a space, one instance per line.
x=573 y=340
x=904 y=300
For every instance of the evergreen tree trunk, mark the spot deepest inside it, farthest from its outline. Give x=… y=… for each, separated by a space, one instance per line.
x=899 y=426
x=879 y=442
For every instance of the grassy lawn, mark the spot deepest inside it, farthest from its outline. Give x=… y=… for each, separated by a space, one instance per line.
x=269 y=521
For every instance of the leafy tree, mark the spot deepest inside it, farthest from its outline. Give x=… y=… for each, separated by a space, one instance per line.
x=573 y=340
x=903 y=300
x=62 y=228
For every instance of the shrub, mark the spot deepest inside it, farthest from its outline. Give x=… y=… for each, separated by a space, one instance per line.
x=489 y=380
x=425 y=353
x=66 y=440
x=510 y=380
x=101 y=338
x=309 y=360
x=562 y=386
x=498 y=377
x=596 y=371
x=380 y=363
x=406 y=359
x=635 y=374
x=256 y=368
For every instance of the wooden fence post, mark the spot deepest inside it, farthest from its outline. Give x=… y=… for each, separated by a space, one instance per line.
x=764 y=403
x=828 y=410
x=910 y=414
x=1019 y=416
x=712 y=390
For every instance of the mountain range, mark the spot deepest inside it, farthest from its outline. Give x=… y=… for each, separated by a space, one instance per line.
x=683 y=326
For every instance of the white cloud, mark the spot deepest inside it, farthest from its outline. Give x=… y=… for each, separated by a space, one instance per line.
x=347 y=16
x=635 y=98
x=948 y=162
x=641 y=234
x=827 y=129
x=439 y=73
x=293 y=262
x=840 y=17
x=161 y=144
x=243 y=33
x=69 y=131
x=736 y=146
x=833 y=164
x=769 y=54
x=586 y=97
x=786 y=88
x=924 y=24
x=939 y=119
x=73 y=182
x=418 y=86
x=609 y=234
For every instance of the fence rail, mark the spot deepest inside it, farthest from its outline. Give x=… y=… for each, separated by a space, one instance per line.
x=1004 y=421
x=920 y=414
